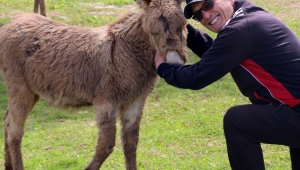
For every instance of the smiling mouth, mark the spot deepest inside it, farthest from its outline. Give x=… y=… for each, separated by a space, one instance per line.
x=214 y=20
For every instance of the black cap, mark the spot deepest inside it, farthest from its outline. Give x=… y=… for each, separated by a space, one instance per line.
x=188 y=13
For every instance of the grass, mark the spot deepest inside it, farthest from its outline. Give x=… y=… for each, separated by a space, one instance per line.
x=180 y=129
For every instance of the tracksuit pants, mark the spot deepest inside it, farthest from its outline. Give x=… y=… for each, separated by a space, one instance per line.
x=247 y=126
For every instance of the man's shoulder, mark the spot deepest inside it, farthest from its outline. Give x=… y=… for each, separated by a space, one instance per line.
x=249 y=16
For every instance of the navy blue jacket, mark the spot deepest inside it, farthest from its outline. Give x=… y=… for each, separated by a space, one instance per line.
x=261 y=53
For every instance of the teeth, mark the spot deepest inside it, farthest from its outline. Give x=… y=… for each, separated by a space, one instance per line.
x=214 y=21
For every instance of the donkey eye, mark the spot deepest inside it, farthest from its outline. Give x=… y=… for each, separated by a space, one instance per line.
x=155 y=34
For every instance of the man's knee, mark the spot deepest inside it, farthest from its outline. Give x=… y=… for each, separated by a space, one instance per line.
x=232 y=116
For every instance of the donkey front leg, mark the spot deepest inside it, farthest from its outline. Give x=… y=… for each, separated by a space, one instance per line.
x=21 y=102
x=106 y=115
x=8 y=163
x=130 y=118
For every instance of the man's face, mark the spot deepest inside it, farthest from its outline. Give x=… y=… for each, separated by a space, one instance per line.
x=215 y=18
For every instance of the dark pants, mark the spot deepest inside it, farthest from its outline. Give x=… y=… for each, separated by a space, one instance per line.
x=247 y=126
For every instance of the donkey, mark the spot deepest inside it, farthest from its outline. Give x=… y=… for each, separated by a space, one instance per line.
x=110 y=67
x=42 y=5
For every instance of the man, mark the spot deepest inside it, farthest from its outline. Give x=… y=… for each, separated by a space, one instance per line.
x=263 y=56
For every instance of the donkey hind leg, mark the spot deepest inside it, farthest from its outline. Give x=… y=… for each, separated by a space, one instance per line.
x=130 y=119
x=43 y=7
x=36 y=6
x=106 y=115
x=20 y=104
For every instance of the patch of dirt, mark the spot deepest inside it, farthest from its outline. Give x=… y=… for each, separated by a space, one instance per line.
x=100 y=6
x=100 y=9
x=282 y=9
x=57 y=14
x=289 y=10
x=10 y=15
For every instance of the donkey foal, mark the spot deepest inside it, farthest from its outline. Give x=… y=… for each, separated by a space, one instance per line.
x=111 y=67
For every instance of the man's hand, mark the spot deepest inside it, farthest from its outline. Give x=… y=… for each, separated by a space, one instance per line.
x=158 y=59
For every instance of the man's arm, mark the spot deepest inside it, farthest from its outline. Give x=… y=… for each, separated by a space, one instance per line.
x=198 y=41
x=227 y=52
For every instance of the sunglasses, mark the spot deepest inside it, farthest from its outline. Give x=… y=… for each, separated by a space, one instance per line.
x=206 y=6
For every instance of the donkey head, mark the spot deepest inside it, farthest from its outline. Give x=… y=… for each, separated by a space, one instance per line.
x=166 y=25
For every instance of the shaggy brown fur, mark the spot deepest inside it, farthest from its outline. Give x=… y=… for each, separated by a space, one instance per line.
x=111 y=67
x=42 y=5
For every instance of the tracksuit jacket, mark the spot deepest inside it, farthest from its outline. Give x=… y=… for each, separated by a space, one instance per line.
x=261 y=53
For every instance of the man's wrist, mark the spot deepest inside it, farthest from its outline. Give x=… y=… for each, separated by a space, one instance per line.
x=161 y=68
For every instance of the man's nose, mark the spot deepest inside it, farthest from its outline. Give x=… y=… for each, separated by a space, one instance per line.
x=205 y=14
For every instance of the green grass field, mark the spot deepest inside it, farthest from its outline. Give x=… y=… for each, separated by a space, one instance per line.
x=180 y=129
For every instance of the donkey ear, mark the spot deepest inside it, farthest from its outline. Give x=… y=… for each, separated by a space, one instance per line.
x=144 y=4
x=180 y=1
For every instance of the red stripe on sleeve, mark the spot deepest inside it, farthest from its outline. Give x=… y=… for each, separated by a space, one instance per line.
x=277 y=90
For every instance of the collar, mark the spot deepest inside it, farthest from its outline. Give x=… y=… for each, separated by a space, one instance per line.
x=237 y=13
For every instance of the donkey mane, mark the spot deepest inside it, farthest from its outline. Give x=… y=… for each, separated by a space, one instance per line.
x=127 y=29
x=128 y=22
